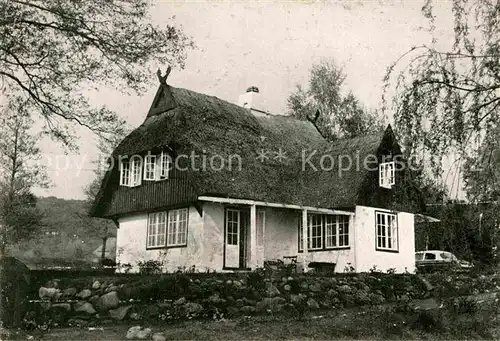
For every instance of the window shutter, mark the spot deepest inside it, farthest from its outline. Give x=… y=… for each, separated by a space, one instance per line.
x=381 y=171
x=164 y=165
x=135 y=171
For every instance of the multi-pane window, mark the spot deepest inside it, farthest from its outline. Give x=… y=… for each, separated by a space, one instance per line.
x=156 y=229
x=177 y=227
x=167 y=228
x=233 y=226
x=130 y=171
x=336 y=231
x=387 y=231
x=315 y=232
x=325 y=232
x=156 y=167
x=124 y=173
x=386 y=174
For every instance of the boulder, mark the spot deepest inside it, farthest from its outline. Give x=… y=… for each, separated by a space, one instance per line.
x=69 y=292
x=247 y=310
x=272 y=291
x=85 y=293
x=239 y=303
x=312 y=304
x=144 y=334
x=316 y=287
x=132 y=332
x=84 y=307
x=94 y=299
x=119 y=313
x=346 y=289
x=96 y=285
x=297 y=299
x=47 y=293
x=233 y=311
x=193 y=308
x=159 y=337
x=108 y=301
x=274 y=304
x=180 y=301
x=214 y=299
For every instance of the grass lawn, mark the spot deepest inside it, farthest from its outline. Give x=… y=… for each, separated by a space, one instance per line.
x=365 y=324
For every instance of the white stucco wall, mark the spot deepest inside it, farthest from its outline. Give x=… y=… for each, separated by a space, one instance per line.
x=131 y=244
x=366 y=254
x=282 y=239
x=205 y=243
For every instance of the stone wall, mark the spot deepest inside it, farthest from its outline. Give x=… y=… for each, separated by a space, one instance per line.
x=94 y=301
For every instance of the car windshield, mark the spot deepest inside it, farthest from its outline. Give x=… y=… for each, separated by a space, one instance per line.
x=419 y=256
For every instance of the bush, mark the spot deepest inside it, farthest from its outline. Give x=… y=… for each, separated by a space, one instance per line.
x=256 y=280
x=150 y=267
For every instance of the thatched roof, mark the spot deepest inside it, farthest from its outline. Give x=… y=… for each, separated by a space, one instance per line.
x=190 y=122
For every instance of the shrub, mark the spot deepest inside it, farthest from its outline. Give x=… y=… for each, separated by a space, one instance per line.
x=256 y=280
x=150 y=267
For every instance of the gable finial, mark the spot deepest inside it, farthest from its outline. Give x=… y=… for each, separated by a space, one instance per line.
x=163 y=79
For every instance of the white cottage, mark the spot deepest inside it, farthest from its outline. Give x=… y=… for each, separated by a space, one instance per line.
x=227 y=187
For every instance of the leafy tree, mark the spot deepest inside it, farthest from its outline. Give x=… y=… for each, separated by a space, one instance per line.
x=482 y=172
x=448 y=98
x=19 y=172
x=335 y=114
x=52 y=51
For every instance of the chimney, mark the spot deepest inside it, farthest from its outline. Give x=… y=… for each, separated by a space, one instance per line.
x=253 y=101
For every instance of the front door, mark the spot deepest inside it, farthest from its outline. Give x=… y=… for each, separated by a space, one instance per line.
x=235 y=238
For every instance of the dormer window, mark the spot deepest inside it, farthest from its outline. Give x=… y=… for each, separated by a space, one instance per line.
x=386 y=174
x=130 y=171
x=156 y=167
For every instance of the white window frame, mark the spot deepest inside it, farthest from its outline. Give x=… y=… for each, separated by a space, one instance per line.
x=135 y=170
x=130 y=171
x=124 y=172
x=150 y=164
x=316 y=240
x=387 y=177
x=157 y=166
x=164 y=165
x=334 y=232
x=386 y=231
x=230 y=222
x=167 y=228
x=177 y=227
x=157 y=230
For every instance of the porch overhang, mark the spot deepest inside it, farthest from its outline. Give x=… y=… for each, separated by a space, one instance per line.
x=234 y=201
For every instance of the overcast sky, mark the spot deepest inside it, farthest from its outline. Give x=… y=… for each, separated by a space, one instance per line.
x=271 y=45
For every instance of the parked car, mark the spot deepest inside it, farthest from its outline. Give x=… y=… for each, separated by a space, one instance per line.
x=435 y=260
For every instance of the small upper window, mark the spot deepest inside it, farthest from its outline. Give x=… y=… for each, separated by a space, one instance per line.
x=157 y=167
x=386 y=174
x=130 y=171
